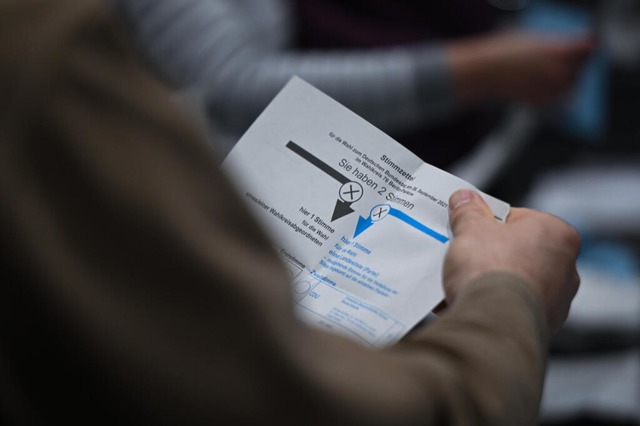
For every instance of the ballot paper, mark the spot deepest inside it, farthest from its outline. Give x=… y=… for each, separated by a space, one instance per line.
x=360 y=222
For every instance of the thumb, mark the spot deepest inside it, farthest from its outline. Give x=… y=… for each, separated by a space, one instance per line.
x=467 y=208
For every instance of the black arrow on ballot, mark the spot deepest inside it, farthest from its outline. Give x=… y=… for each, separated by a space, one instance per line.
x=350 y=191
x=341 y=209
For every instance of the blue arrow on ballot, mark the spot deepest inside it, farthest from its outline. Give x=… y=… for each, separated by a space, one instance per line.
x=363 y=225
x=381 y=211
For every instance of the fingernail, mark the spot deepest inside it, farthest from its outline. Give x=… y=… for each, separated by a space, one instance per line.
x=459 y=198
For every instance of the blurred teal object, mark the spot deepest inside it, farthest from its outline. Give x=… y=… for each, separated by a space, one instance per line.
x=584 y=113
x=608 y=255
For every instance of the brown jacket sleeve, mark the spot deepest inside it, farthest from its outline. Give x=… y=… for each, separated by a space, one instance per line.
x=136 y=287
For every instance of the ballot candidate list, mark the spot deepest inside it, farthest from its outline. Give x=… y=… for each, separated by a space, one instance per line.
x=360 y=222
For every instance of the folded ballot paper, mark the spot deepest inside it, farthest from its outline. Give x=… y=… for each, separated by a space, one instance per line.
x=360 y=221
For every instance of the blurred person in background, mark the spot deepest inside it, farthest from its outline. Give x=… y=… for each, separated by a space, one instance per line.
x=432 y=74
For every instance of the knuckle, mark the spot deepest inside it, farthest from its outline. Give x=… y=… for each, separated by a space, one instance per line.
x=570 y=236
x=574 y=237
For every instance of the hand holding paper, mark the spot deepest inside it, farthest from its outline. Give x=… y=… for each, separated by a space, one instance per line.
x=361 y=222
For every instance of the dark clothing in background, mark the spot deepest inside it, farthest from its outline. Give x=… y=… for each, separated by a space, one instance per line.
x=330 y=24
x=137 y=288
x=357 y=24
